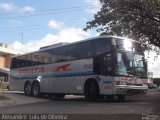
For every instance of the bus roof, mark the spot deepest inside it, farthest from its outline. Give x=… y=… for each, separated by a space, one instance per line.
x=57 y=45
x=66 y=43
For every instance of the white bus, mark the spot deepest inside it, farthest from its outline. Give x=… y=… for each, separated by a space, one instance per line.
x=100 y=66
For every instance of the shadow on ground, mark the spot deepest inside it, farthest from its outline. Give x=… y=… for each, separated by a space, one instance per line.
x=4 y=97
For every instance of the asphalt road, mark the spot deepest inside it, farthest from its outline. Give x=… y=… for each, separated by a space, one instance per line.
x=76 y=106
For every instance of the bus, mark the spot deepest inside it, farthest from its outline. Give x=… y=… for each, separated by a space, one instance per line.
x=95 y=67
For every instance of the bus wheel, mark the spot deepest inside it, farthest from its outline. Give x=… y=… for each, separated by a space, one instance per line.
x=121 y=98
x=59 y=96
x=36 y=89
x=27 y=89
x=92 y=91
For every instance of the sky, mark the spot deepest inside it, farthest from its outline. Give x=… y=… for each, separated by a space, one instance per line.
x=27 y=25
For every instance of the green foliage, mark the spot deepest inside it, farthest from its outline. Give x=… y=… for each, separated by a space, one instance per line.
x=137 y=19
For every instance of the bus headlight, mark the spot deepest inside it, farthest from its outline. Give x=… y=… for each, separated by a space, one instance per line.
x=120 y=83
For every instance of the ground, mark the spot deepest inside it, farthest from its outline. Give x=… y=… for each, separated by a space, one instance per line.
x=134 y=107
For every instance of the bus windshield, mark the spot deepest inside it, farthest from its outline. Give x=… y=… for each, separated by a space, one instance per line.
x=130 y=64
x=128 y=45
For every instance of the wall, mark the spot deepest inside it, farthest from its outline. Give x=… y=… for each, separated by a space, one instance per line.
x=5 y=61
x=2 y=61
x=8 y=60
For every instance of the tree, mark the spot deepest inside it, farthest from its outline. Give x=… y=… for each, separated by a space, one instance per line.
x=137 y=19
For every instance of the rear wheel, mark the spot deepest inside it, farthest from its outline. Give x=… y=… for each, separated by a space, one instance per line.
x=36 y=89
x=27 y=89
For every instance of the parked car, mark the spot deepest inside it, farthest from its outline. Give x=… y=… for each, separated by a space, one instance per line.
x=4 y=84
x=152 y=86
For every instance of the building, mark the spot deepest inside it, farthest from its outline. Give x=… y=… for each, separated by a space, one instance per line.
x=5 y=60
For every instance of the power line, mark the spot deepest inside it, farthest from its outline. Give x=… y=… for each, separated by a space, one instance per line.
x=31 y=28
x=41 y=14
x=56 y=9
x=35 y=26
x=59 y=10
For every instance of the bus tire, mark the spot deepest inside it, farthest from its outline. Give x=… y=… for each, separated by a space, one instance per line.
x=121 y=98
x=36 y=89
x=91 y=91
x=27 y=89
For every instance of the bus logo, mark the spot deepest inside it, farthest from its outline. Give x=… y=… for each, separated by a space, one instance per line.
x=62 y=68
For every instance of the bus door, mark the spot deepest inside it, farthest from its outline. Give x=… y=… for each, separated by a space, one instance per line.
x=103 y=65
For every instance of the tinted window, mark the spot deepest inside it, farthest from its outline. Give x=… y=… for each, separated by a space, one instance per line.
x=71 y=52
x=29 y=60
x=136 y=47
x=102 y=45
x=84 y=50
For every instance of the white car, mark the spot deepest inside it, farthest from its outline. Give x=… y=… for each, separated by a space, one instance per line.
x=4 y=84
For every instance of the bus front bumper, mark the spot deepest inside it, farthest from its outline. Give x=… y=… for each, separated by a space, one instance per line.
x=131 y=90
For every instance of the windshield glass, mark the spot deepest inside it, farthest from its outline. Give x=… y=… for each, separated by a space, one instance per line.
x=130 y=64
x=128 y=45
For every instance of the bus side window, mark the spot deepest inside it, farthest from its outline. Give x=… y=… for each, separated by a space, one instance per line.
x=84 y=50
x=81 y=51
x=102 y=45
